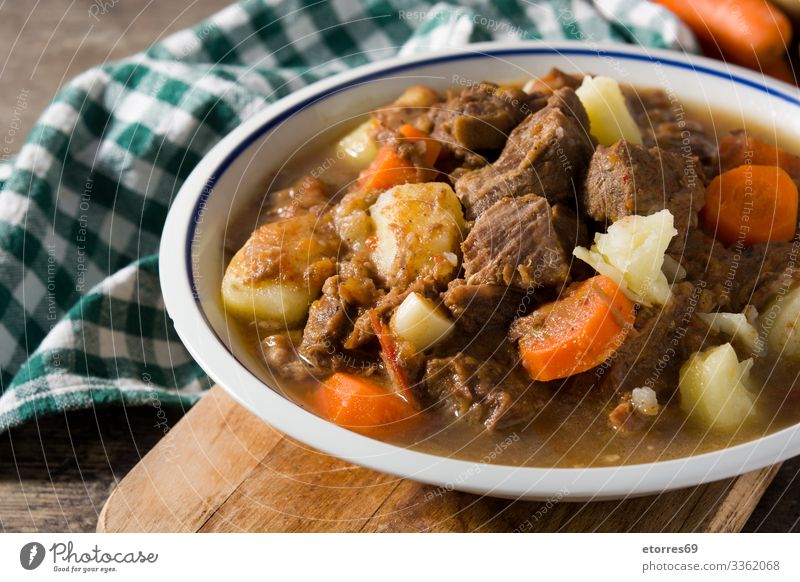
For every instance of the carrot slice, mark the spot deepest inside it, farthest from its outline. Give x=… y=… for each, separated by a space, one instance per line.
x=389 y=168
x=355 y=402
x=577 y=332
x=753 y=33
x=738 y=148
x=751 y=204
x=432 y=147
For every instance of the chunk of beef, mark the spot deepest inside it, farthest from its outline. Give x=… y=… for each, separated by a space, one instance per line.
x=739 y=276
x=625 y=179
x=516 y=243
x=572 y=231
x=478 y=119
x=545 y=155
x=707 y=261
x=663 y=123
x=357 y=283
x=477 y=308
x=412 y=107
x=689 y=140
x=649 y=106
x=328 y=322
x=541 y=88
x=331 y=318
x=484 y=391
x=661 y=340
x=769 y=270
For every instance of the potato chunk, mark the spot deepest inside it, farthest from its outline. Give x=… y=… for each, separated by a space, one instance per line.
x=357 y=148
x=632 y=254
x=609 y=117
x=415 y=224
x=272 y=301
x=780 y=320
x=279 y=271
x=735 y=326
x=713 y=388
x=420 y=322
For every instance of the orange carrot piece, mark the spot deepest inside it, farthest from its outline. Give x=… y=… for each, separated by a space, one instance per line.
x=751 y=204
x=432 y=147
x=388 y=169
x=753 y=33
x=355 y=402
x=739 y=148
x=578 y=331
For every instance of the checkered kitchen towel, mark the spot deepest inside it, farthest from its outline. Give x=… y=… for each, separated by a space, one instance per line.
x=82 y=321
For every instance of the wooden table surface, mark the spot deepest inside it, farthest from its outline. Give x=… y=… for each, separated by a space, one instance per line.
x=55 y=474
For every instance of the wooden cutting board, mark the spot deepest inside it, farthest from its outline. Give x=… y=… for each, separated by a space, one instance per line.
x=221 y=469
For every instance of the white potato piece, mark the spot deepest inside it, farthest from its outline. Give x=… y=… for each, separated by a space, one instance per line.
x=417 y=96
x=357 y=148
x=269 y=300
x=780 y=319
x=279 y=271
x=735 y=326
x=632 y=254
x=419 y=321
x=609 y=117
x=415 y=224
x=713 y=388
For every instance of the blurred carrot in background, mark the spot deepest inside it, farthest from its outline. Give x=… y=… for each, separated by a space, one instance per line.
x=753 y=33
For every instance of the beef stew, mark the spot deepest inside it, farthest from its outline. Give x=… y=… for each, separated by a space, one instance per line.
x=501 y=264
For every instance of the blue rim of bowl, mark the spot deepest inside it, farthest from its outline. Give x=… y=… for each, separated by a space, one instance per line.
x=274 y=121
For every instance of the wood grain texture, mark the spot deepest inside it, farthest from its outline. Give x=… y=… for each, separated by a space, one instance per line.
x=223 y=470
x=56 y=472
x=182 y=481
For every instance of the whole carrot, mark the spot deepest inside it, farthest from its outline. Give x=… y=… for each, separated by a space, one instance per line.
x=753 y=33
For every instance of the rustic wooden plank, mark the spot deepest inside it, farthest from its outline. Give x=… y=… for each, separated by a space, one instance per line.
x=740 y=500
x=56 y=472
x=415 y=507
x=182 y=481
x=298 y=489
x=228 y=471
x=40 y=505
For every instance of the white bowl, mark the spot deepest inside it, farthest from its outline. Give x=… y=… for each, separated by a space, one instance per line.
x=239 y=167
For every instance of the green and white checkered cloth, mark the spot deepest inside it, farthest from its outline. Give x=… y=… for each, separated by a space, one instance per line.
x=82 y=321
